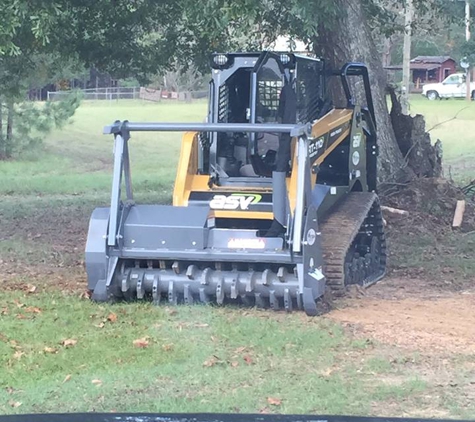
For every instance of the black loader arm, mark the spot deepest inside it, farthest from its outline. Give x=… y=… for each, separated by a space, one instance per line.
x=359 y=70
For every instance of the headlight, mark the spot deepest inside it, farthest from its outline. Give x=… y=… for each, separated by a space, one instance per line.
x=220 y=59
x=285 y=59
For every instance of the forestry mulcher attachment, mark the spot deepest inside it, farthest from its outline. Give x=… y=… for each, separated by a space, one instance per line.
x=274 y=199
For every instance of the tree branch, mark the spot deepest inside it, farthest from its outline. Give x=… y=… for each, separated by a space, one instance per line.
x=449 y=120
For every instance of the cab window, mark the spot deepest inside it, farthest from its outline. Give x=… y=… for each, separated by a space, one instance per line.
x=453 y=80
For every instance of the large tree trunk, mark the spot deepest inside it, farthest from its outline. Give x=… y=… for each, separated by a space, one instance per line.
x=2 y=138
x=349 y=38
x=9 y=137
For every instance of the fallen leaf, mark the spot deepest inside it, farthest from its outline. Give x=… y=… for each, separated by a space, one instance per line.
x=18 y=354
x=274 y=401
x=248 y=359
x=101 y=325
x=69 y=342
x=234 y=364
x=67 y=378
x=210 y=362
x=85 y=295
x=97 y=382
x=50 y=350
x=21 y=316
x=141 y=342
x=13 y=403
x=30 y=288
x=167 y=347
x=33 y=310
x=18 y=303
x=327 y=372
x=112 y=317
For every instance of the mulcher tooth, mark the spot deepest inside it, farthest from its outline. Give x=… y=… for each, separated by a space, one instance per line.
x=266 y=277
x=274 y=301
x=155 y=292
x=124 y=284
x=250 y=282
x=287 y=300
x=176 y=267
x=191 y=271
x=204 y=298
x=140 y=287
x=234 y=286
x=172 y=297
x=205 y=276
x=187 y=295
x=219 y=292
x=299 y=301
x=282 y=274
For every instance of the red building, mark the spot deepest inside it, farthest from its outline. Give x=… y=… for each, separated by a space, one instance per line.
x=427 y=69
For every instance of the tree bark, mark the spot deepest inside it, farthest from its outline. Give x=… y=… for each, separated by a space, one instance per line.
x=347 y=39
x=9 y=137
x=2 y=139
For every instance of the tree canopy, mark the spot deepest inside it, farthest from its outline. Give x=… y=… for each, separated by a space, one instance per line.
x=140 y=38
x=137 y=38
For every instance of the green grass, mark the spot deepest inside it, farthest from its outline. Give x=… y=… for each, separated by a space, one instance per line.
x=453 y=122
x=448 y=257
x=198 y=359
x=78 y=159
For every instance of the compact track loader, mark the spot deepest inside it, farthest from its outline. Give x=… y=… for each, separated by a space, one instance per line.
x=274 y=199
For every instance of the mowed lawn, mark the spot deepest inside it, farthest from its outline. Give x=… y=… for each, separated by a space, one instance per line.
x=60 y=353
x=453 y=122
x=78 y=159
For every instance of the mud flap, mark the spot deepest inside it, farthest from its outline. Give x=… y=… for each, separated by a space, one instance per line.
x=312 y=267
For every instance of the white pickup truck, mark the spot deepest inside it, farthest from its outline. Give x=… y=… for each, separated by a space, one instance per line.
x=454 y=86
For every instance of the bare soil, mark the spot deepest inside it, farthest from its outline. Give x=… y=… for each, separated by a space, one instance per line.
x=412 y=314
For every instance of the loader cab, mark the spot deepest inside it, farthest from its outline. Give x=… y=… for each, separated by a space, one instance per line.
x=259 y=88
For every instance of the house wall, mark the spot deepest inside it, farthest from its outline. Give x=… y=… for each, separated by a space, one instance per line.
x=451 y=68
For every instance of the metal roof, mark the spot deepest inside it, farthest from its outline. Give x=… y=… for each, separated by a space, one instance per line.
x=431 y=59
x=416 y=66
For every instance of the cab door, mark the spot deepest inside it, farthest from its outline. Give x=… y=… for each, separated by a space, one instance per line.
x=453 y=86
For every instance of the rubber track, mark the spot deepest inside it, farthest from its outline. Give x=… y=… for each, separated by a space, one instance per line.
x=339 y=229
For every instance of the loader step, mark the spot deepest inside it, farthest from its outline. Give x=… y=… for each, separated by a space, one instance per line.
x=353 y=243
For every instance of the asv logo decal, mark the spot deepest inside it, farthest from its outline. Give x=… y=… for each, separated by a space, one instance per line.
x=235 y=201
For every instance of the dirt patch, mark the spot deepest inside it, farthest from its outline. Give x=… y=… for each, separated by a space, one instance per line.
x=433 y=322
x=43 y=246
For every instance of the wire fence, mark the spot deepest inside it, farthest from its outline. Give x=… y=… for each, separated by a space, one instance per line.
x=134 y=93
